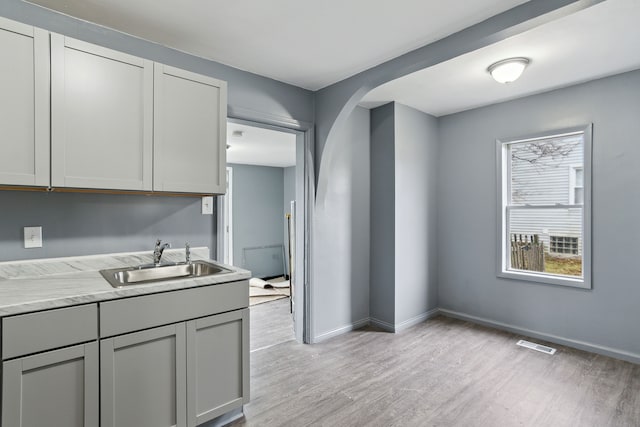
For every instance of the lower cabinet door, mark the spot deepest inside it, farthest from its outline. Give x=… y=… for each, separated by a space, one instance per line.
x=217 y=365
x=56 y=388
x=142 y=378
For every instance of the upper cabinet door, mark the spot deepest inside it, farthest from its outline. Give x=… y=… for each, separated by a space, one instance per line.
x=101 y=121
x=24 y=105
x=190 y=126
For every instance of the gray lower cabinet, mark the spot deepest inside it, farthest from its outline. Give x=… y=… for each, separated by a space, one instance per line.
x=158 y=360
x=142 y=378
x=55 y=388
x=179 y=375
x=217 y=365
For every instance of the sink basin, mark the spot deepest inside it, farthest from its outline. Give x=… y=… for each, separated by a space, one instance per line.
x=119 y=277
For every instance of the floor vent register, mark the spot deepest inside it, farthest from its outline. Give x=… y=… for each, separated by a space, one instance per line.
x=536 y=347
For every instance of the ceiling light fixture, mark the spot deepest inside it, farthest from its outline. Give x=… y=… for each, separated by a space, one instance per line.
x=508 y=70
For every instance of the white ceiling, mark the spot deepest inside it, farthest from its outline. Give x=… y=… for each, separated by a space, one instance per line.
x=260 y=147
x=304 y=43
x=596 y=42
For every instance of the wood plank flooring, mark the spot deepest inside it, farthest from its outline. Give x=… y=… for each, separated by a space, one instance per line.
x=443 y=372
x=270 y=324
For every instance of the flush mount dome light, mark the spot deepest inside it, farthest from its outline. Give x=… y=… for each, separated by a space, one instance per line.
x=508 y=70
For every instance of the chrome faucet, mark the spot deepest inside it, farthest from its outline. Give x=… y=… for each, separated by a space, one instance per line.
x=187 y=253
x=157 y=252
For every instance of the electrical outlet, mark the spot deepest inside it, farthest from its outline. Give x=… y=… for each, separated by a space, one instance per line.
x=32 y=237
x=207 y=205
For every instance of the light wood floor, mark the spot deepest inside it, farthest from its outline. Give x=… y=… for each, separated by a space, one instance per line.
x=443 y=372
x=270 y=324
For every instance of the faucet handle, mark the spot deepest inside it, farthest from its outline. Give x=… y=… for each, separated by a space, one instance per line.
x=158 y=242
x=187 y=253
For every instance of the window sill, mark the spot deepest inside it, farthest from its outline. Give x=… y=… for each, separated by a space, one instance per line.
x=582 y=283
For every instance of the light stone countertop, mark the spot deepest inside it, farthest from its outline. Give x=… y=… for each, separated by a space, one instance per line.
x=33 y=285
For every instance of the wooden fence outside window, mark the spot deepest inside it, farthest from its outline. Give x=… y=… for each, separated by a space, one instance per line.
x=527 y=252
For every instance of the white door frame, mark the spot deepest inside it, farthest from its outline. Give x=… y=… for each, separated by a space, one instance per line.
x=305 y=196
x=224 y=222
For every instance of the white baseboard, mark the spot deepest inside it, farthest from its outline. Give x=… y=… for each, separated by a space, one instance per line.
x=339 y=331
x=385 y=326
x=377 y=323
x=398 y=327
x=581 y=345
x=417 y=319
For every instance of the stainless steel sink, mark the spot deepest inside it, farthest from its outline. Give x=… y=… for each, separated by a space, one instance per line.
x=119 y=277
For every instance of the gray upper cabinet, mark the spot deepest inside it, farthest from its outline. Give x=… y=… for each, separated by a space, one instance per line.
x=77 y=115
x=24 y=105
x=190 y=113
x=101 y=117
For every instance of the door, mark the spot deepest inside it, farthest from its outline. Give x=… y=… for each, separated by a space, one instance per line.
x=190 y=113
x=101 y=117
x=218 y=365
x=24 y=105
x=56 y=388
x=143 y=378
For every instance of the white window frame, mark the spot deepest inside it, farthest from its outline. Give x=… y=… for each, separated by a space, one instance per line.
x=503 y=187
x=573 y=170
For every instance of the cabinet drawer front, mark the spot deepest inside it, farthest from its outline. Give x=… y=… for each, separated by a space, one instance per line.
x=46 y=330
x=148 y=311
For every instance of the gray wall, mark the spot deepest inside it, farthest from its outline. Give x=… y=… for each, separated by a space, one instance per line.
x=416 y=159
x=82 y=224
x=340 y=295
x=140 y=218
x=334 y=106
x=606 y=316
x=404 y=148
x=383 y=220
x=258 y=192
x=289 y=195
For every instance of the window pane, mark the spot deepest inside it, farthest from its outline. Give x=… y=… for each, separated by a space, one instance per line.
x=559 y=236
x=579 y=177
x=578 y=196
x=540 y=169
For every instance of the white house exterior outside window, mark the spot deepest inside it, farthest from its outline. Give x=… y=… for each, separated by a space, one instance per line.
x=544 y=206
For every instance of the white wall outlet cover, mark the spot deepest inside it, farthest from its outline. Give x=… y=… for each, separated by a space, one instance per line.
x=207 y=205
x=32 y=237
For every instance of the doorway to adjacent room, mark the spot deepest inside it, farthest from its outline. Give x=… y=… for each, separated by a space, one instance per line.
x=259 y=226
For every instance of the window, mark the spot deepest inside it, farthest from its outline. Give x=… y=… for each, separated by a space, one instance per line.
x=544 y=207
x=563 y=245
x=576 y=185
